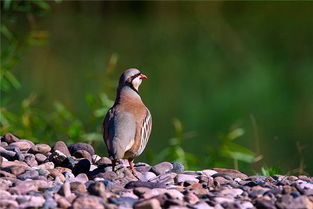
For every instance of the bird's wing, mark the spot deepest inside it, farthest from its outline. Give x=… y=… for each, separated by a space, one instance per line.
x=145 y=131
x=120 y=129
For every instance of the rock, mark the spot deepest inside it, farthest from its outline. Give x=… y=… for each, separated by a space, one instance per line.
x=78 y=187
x=46 y=166
x=232 y=173
x=7 y=203
x=7 y=154
x=148 y=176
x=40 y=158
x=65 y=190
x=57 y=157
x=18 y=154
x=23 y=188
x=33 y=202
x=174 y=194
x=191 y=198
x=81 y=146
x=40 y=148
x=97 y=189
x=16 y=170
x=231 y=192
x=82 y=154
x=208 y=172
x=69 y=162
x=83 y=202
x=123 y=201
x=162 y=168
x=30 y=174
x=50 y=204
x=10 y=138
x=23 y=145
x=134 y=184
x=104 y=161
x=178 y=167
x=148 y=204
x=82 y=178
x=62 y=147
x=30 y=159
x=264 y=204
x=82 y=166
x=95 y=158
x=62 y=202
x=181 y=178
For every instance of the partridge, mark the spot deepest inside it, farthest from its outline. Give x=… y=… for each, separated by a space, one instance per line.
x=127 y=124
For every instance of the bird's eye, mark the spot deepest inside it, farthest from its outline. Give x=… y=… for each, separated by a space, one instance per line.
x=135 y=76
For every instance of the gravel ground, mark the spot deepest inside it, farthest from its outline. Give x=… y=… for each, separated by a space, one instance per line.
x=73 y=176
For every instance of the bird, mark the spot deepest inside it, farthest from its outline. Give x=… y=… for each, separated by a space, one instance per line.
x=127 y=124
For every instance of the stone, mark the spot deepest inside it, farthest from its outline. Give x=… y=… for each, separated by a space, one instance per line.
x=16 y=170
x=62 y=202
x=56 y=173
x=123 y=201
x=46 y=166
x=181 y=178
x=65 y=190
x=78 y=187
x=7 y=154
x=82 y=154
x=208 y=172
x=10 y=138
x=231 y=192
x=82 y=166
x=69 y=162
x=90 y=201
x=175 y=194
x=191 y=198
x=148 y=204
x=62 y=147
x=178 y=167
x=57 y=157
x=148 y=176
x=95 y=158
x=40 y=148
x=23 y=145
x=23 y=188
x=232 y=173
x=50 y=204
x=97 y=189
x=151 y=185
x=264 y=204
x=33 y=202
x=162 y=168
x=104 y=161
x=7 y=203
x=82 y=178
x=30 y=159
x=30 y=174
x=40 y=158
x=81 y=146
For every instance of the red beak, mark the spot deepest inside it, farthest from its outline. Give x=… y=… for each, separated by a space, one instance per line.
x=142 y=76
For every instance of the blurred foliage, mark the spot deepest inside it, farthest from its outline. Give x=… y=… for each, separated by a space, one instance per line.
x=270 y=171
x=219 y=67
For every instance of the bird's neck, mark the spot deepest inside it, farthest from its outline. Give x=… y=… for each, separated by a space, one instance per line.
x=127 y=93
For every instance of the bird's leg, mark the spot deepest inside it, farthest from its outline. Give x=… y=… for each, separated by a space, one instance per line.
x=132 y=168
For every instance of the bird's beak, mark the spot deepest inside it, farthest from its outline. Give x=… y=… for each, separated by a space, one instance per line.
x=142 y=76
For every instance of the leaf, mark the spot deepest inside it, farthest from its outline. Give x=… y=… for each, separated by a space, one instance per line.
x=6 y=4
x=12 y=79
x=238 y=152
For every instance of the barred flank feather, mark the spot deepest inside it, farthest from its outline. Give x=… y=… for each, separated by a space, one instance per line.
x=145 y=132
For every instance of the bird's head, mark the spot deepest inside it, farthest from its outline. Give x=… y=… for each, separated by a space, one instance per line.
x=132 y=77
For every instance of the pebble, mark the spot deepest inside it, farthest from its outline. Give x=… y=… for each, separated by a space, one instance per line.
x=88 y=201
x=40 y=148
x=81 y=146
x=162 y=168
x=38 y=176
